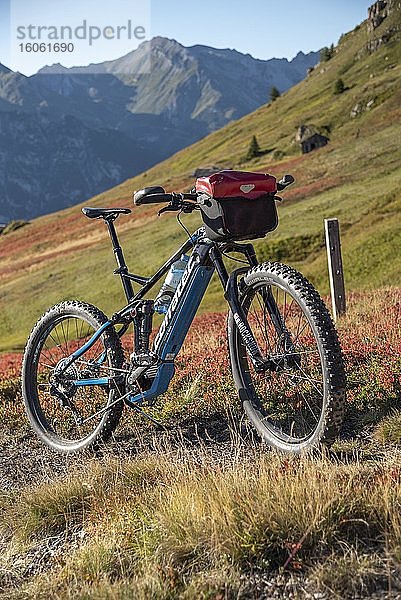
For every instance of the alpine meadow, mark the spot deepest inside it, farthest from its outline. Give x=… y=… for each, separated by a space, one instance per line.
x=202 y=509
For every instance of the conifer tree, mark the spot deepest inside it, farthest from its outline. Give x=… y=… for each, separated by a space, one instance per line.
x=254 y=149
x=274 y=94
x=339 y=86
x=325 y=54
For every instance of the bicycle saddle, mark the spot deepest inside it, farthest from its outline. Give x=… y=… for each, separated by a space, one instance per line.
x=104 y=213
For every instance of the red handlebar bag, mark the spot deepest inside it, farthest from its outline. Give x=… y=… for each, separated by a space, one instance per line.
x=236 y=205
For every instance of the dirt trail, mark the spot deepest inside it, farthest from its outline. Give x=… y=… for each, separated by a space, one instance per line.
x=25 y=460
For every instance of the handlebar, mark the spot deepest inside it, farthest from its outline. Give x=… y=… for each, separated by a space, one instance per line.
x=158 y=195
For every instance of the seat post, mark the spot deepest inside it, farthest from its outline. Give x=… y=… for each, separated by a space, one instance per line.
x=122 y=266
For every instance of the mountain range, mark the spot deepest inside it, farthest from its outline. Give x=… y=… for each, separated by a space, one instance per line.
x=69 y=133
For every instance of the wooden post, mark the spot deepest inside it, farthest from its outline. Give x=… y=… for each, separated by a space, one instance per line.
x=336 y=274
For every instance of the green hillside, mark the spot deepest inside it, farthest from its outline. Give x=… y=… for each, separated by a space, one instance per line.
x=356 y=178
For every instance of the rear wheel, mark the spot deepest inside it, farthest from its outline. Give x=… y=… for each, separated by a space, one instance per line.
x=298 y=401
x=67 y=417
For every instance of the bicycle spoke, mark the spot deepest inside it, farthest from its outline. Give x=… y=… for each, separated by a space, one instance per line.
x=293 y=375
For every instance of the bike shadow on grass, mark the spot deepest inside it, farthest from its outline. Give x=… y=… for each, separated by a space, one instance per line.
x=228 y=433
x=222 y=435
x=219 y=432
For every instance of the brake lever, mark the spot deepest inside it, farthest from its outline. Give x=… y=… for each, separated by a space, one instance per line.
x=185 y=207
x=188 y=207
x=168 y=208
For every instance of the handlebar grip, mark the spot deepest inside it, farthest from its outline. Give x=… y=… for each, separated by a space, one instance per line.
x=190 y=196
x=151 y=195
x=284 y=182
x=156 y=195
x=153 y=199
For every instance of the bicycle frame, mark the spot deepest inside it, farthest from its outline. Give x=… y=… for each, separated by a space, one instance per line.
x=206 y=258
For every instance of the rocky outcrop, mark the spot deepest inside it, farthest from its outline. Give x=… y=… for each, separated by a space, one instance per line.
x=392 y=6
x=362 y=106
x=376 y=14
x=304 y=132
x=376 y=43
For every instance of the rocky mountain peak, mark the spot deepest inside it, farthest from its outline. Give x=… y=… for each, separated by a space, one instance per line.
x=376 y=14
x=381 y=9
x=163 y=42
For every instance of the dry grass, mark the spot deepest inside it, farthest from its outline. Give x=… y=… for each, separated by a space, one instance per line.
x=351 y=574
x=388 y=431
x=181 y=525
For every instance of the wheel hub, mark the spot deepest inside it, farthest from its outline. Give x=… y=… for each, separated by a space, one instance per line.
x=285 y=356
x=62 y=380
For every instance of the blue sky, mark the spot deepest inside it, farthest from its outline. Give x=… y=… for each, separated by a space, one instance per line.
x=263 y=28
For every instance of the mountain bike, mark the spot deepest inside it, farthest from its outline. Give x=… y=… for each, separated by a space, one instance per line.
x=285 y=356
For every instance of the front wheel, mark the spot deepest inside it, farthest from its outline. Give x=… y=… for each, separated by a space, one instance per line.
x=298 y=400
x=67 y=415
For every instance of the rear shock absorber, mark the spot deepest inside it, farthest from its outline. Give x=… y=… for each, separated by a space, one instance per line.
x=143 y=319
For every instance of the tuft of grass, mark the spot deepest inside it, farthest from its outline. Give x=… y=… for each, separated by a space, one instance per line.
x=49 y=510
x=10 y=389
x=350 y=575
x=12 y=414
x=388 y=431
x=66 y=505
x=219 y=584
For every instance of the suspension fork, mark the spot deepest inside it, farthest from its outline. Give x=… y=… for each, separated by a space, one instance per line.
x=230 y=284
x=273 y=310
x=288 y=347
x=231 y=294
x=249 y=251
